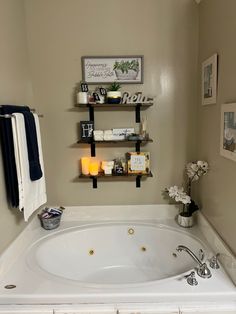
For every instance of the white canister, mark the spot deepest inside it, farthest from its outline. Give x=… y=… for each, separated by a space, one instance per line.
x=82 y=98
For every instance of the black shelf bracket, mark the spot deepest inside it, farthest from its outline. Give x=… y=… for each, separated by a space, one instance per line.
x=137 y=146
x=93 y=149
x=91 y=113
x=95 y=182
x=138 y=181
x=137 y=113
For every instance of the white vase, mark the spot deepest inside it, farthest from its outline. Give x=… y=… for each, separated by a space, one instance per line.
x=185 y=222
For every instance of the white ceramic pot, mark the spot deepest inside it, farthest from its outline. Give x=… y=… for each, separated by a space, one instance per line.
x=185 y=222
x=82 y=98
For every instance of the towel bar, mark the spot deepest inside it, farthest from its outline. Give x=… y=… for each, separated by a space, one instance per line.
x=10 y=115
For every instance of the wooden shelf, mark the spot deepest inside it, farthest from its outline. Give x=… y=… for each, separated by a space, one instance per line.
x=122 y=106
x=93 y=144
x=117 y=142
x=125 y=175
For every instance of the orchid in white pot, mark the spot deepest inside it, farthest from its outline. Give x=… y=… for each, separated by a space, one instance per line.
x=194 y=171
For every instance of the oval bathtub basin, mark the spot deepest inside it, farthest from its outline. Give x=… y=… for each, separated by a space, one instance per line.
x=114 y=253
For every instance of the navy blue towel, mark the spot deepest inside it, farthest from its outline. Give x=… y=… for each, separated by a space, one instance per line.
x=32 y=145
x=8 y=151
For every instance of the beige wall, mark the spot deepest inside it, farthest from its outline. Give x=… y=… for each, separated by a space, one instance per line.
x=166 y=33
x=217 y=191
x=15 y=88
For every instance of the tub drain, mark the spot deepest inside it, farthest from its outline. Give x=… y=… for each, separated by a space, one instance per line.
x=10 y=287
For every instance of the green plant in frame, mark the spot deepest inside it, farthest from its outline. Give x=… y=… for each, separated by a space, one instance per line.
x=125 y=66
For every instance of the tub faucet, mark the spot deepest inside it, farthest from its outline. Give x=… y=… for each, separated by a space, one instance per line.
x=203 y=271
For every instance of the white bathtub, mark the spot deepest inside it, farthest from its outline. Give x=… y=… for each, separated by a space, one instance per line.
x=104 y=255
x=114 y=254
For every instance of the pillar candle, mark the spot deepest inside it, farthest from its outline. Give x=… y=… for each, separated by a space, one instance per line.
x=85 y=161
x=93 y=168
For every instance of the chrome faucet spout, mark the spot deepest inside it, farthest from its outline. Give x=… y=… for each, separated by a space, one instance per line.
x=203 y=271
x=181 y=248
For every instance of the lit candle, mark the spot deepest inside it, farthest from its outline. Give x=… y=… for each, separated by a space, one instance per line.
x=93 y=168
x=85 y=161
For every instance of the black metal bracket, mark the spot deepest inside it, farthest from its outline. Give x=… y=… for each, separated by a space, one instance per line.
x=91 y=113
x=137 y=113
x=93 y=149
x=138 y=181
x=137 y=146
x=95 y=185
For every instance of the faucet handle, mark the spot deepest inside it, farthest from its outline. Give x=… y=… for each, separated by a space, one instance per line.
x=201 y=255
x=191 y=279
x=214 y=261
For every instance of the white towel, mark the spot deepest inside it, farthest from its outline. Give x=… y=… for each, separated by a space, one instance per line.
x=32 y=194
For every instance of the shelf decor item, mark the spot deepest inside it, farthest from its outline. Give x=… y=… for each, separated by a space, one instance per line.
x=194 y=171
x=114 y=94
x=138 y=162
x=86 y=131
x=137 y=98
x=209 y=80
x=93 y=167
x=85 y=161
x=82 y=94
x=228 y=131
x=107 y=69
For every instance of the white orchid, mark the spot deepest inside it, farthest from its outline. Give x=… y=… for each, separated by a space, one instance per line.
x=178 y=194
x=196 y=169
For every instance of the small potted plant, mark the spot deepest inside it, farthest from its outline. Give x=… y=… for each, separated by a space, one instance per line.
x=114 y=94
x=194 y=171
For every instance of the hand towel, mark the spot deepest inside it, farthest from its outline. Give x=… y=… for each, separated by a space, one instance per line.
x=32 y=194
x=8 y=153
x=32 y=145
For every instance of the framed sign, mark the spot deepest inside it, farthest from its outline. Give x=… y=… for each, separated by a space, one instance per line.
x=209 y=80
x=105 y=70
x=86 y=131
x=228 y=131
x=138 y=163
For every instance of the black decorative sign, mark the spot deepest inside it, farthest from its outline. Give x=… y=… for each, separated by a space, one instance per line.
x=96 y=97
x=86 y=130
x=103 y=91
x=84 y=87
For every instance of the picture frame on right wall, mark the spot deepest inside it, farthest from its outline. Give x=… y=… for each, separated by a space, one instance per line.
x=228 y=131
x=209 y=80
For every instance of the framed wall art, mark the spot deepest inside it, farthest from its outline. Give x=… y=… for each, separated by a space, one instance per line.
x=105 y=70
x=228 y=131
x=138 y=163
x=209 y=80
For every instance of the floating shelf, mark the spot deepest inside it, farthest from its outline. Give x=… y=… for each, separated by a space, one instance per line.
x=117 y=142
x=118 y=176
x=123 y=106
x=93 y=144
x=137 y=107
